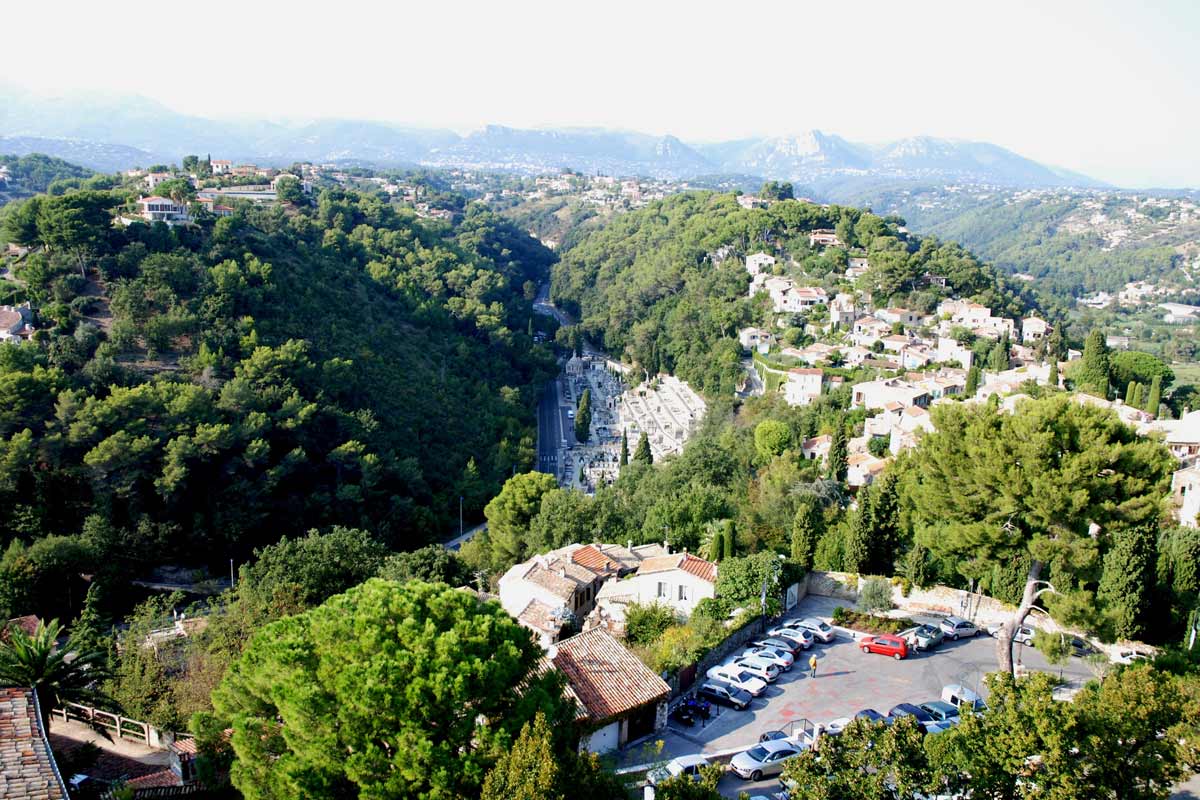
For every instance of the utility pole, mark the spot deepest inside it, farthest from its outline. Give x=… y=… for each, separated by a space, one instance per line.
x=460 y=516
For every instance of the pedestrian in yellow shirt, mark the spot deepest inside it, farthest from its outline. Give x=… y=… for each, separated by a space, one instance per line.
x=812 y=665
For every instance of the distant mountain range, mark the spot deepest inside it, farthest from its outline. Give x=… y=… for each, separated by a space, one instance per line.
x=118 y=132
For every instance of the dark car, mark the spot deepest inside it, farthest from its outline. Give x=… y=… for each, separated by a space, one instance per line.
x=923 y=718
x=771 y=736
x=725 y=694
x=1080 y=648
x=871 y=715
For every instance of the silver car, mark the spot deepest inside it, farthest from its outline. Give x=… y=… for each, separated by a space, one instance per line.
x=801 y=636
x=819 y=628
x=764 y=759
x=780 y=658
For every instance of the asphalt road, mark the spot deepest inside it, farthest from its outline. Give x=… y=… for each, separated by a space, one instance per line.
x=552 y=426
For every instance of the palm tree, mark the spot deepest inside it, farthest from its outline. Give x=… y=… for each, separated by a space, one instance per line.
x=58 y=674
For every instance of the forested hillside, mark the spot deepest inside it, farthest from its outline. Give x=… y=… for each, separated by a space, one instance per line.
x=205 y=390
x=647 y=286
x=22 y=176
x=1074 y=243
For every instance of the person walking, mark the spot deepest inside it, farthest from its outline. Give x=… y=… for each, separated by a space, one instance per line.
x=812 y=665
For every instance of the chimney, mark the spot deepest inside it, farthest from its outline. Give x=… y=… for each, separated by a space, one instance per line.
x=629 y=545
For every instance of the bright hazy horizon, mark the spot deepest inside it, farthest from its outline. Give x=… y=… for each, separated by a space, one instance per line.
x=1104 y=88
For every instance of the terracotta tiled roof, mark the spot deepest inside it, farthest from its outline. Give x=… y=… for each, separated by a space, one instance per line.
x=164 y=777
x=27 y=768
x=705 y=570
x=558 y=585
x=608 y=679
x=589 y=557
x=540 y=617
x=684 y=561
x=154 y=199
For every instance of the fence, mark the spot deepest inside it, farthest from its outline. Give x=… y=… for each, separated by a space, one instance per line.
x=117 y=725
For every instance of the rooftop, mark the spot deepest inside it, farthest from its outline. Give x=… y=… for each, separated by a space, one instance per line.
x=27 y=768
x=687 y=562
x=608 y=679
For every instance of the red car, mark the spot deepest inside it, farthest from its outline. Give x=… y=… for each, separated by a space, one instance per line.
x=892 y=646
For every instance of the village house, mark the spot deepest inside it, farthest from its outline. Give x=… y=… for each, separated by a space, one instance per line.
x=759 y=262
x=1185 y=490
x=803 y=386
x=221 y=166
x=153 y=179
x=895 y=343
x=16 y=322
x=823 y=237
x=868 y=330
x=815 y=353
x=950 y=351
x=616 y=695
x=1181 y=436
x=676 y=580
x=910 y=319
x=879 y=393
x=1180 y=314
x=915 y=356
x=844 y=310
x=1116 y=342
x=1034 y=328
x=816 y=447
x=856 y=267
x=756 y=339
x=750 y=201
x=162 y=209
x=862 y=469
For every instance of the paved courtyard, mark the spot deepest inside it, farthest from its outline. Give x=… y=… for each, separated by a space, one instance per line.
x=847 y=681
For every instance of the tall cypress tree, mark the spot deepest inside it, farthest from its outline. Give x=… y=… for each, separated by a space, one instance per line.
x=972 y=381
x=1155 y=398
x=885 y=525
x=859 y=538
x=624 y=448
x=1094 y=373
x=727 y=540
x=1130 y=393
x=839 y=453
x=1052 y=377
x=1139 y=395
x=642 y=454
x=807 y=527
x=1128 y=579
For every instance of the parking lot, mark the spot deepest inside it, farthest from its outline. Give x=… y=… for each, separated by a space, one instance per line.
x=847 y=681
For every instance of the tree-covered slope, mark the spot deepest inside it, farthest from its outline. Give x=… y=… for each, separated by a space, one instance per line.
x=22 y=176
x=646 y=286
x=208 y=389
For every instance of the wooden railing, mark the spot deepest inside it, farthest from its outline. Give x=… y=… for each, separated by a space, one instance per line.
x=115 y=724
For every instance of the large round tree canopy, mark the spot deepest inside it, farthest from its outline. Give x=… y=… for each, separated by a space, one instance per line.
x=389 y=690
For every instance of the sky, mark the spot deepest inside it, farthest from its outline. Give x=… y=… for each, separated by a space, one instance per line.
x=1109 y=88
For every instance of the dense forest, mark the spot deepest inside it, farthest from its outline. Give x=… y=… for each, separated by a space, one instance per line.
x=34 y=173
x=196 y=392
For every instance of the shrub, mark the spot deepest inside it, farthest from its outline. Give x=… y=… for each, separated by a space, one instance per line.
x=645 y=623
x=875 y=595
x=839 y=614
x=872 y=623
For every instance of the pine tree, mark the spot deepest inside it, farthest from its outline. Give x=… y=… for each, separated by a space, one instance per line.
x=642 y=454
x=885 y=523
x=839 y=453
x=1155 y=398
x=624 y=448
x=529 y=769
x=1128 y=579
x=807 y=527
x=91 y=629
x=1094 y=373
x=972 y=381
x=859 y=537
x=1052 y=377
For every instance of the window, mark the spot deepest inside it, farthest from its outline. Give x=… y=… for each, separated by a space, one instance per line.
x=662 y=589
x=683 y=592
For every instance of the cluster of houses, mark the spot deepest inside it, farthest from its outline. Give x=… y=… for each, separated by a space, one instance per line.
x=16 y=322
x=155 y=208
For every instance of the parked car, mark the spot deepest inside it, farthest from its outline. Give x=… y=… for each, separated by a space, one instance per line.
x=871 y=715
x=724 y=694
x=819 y=628
x=684 y=765
x=958 y=628
x=803 y=638
x=959 y=696
x=1128 y=656
x=1024 y=634
x=789 y=646
x=885 y=644
x=1080 y=648
x=780 y=658
x=770 y=736
x=941 y=711
x=922 y=637
x=765 y=758
x=741 y=678
x=923 y=718
x=835 y=726
x=758 y=667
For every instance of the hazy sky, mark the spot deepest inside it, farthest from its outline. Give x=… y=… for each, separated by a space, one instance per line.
x=1107 y=87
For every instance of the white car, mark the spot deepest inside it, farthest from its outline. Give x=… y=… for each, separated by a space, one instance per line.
x=741 y=678
x=780 y=658
x=818 y=628
x=765 y=758
x=959 y=696
x=800 y=636
x=759 y=668
x=1129 y=656
x=1024 y=634
x=684 y=765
